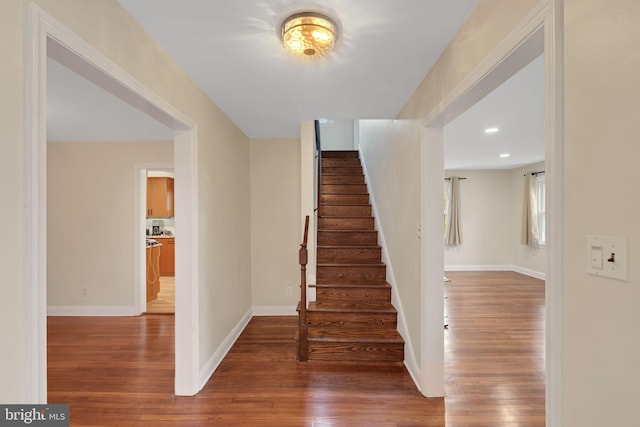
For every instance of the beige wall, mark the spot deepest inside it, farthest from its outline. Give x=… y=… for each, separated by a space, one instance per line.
x=222 y=176
x=90 y=220
x=491 y=220
x=275 y=223
x=602 y=316
x=487 y=25
x=486 y=220
x=389 y=153
x=13 y=327
x=600 y=360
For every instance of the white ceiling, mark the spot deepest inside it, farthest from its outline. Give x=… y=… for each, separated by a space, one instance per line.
x=78 y=110
x=232 y=50
x=517 y=109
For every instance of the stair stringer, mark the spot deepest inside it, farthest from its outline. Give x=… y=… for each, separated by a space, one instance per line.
x=409 y=356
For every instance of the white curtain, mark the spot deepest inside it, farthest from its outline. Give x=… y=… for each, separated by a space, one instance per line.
x=452 y=234
x=530 y=232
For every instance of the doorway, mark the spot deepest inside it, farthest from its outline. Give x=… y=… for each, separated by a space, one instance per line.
x=160 y=233
x=537 y=34
x=49 y=38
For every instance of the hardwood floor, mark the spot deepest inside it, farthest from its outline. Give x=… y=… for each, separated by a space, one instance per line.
x=119 y=371
x=166 y=301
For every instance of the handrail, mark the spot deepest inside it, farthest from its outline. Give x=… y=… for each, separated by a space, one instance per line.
x=303 y=346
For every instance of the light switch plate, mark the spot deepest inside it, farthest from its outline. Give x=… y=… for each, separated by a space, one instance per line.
x=607 y=257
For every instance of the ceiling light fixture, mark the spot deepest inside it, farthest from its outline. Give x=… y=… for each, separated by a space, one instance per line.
x=505 y=155
x=309 y=35
x=491 y=130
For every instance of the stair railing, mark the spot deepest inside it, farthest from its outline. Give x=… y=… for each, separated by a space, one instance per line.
x=303 y=344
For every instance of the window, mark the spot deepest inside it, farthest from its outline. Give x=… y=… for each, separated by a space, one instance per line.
x=541 y=208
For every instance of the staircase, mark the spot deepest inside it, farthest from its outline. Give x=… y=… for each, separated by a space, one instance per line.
x=352 y=318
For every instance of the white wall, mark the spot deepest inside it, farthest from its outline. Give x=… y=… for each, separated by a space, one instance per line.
x=491 y=221
x=337 y=135
x=90 y=220
x=275 y=224
x=389 y=154
x=601 y=316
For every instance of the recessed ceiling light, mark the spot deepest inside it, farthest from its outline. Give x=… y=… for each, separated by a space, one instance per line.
x=505 y=155
x=491 y=130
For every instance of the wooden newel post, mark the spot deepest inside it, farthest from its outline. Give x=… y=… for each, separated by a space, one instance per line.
x=303 y=346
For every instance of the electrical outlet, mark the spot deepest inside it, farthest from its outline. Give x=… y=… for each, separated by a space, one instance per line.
x=288 y=291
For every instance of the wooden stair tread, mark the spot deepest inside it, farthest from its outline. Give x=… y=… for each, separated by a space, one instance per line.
x=348 y=247
x=331 y=230
x=355 y=335
x=313 y=307
x=350 y=285
x=350 y=264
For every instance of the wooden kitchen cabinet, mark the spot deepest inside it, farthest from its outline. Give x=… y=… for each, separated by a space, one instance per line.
x=159 y=197
x=167 y=256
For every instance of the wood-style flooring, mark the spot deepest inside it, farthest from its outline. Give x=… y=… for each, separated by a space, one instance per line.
x=120 y=371
x=166 y=301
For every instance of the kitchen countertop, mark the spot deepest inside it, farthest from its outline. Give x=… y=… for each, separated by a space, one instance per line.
x=152 y=243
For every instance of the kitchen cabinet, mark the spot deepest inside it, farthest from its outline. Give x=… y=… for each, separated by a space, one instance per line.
x=159 y=197
x=167 y=256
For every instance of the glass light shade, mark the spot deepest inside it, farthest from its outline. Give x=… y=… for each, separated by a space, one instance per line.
x=309 y=35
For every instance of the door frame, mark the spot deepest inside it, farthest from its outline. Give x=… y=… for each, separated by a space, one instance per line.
x=48 y=37
x=540 y=32
x=140 y=269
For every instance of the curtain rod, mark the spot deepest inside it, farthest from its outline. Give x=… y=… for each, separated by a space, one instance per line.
x=535 y=173
x=449 y=179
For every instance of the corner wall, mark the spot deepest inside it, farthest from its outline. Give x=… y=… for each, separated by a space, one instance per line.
x=491 y=221
x=275 y=225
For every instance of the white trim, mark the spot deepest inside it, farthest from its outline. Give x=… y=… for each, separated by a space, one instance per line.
x=274 y=310
x=528 y=272
x=432 y=263
x=216 y=358
x=410 y=360
x=141 y=171
x=91 y=311
x=48 y=37
x=555 y=176
x=515 y=268
x=545 y=19
x=508 y=57
x=478 y=268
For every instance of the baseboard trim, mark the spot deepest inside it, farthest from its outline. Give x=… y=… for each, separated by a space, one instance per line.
x=275 y=310
x=528 y=272
x=517 y=269
x=216 y=358
x=91 y=311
